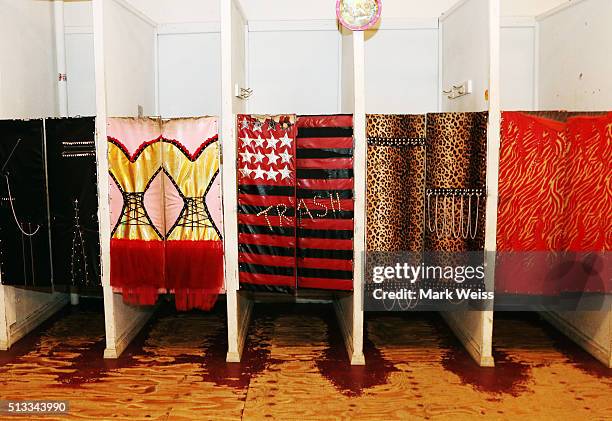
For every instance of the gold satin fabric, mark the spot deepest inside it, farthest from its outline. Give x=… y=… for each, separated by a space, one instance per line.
x=133 y=177
x=192 y=178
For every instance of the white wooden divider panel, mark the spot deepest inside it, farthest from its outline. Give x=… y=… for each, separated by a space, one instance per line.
x=114 y=22
x=129 y=60
x=574 y=60
x=574 y=74
x=464 y=45
x=28 y=89
x=470 y=51
x=233 y=71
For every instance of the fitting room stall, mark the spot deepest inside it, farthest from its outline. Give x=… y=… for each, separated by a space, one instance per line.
x=429 y=68
x=552 y=59
x=49 y=244
x=292 y=63
x=158 y=98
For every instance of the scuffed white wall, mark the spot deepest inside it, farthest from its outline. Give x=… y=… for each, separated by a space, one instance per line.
x=574 y=59
x=129 y=53
x=465 y=55
x=27 y=59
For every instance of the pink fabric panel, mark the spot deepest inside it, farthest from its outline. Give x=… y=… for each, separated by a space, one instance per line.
x=116 y=202
x=191 y=135
x=213 y=202
x=133 y=132
x=154 y=199
x=173 y=203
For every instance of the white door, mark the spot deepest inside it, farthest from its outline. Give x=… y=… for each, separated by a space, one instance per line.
x=80 y=71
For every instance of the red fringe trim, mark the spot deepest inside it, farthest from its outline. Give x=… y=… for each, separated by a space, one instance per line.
x=196 y=265
x=193 y=270
x=137 y=264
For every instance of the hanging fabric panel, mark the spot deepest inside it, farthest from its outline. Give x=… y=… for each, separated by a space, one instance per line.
x=73 y=197
x=192 y=204
x=589 y=190
x=529 y=152
x=395 y=182
x=266 y=202
x=554 y=190
x=455 y=193
x=137 y=212
x=588 y=219
x=25 y=257
x=455 y=181
x=325 y=202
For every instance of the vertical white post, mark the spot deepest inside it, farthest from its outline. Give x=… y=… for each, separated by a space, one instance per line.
x=359 y=163
x=4 y=341
x=238 y=306
x=60 y=58
x=493 y=145
x=103 y=181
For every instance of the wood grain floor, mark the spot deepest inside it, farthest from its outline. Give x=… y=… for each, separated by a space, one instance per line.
x=295 y=367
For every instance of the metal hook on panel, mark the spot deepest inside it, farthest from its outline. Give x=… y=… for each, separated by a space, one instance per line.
x=465 y=232
x=473 y=234
x=242 y=93
x=429 y=218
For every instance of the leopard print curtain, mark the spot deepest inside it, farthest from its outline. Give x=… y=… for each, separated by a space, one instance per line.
x=426 y=182
x=455 y=181
x=396 y=158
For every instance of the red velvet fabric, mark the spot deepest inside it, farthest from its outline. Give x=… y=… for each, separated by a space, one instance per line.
x=555 y=205
x=137 y=269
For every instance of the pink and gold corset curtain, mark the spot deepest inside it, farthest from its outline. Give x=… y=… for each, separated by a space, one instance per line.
x=194 y=251
x=555 y=194
x=137 y=214
x=165 y=210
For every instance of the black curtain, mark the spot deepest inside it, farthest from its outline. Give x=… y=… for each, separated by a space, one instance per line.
x=73 y=197
x=24 y=230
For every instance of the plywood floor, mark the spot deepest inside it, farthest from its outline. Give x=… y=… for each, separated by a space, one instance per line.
x=295 y=368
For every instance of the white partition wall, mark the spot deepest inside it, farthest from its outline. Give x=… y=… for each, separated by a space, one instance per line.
x=349 y=308
x=28 y=89
x=233 y=65
x=469 y=51
x=570 y=72
x=574 y=74
x=465 y=54
x=125 y=81
x=574 y=65
x=28 y=86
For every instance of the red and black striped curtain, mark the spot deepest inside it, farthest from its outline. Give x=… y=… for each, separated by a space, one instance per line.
x=266 y=202
x=295 y=202
x=325 y=202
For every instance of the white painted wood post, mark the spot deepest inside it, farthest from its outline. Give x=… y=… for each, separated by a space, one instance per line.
x=493 y=145
x=4 y=340
x=360 y=169
x=122 y=321
x=239 y=307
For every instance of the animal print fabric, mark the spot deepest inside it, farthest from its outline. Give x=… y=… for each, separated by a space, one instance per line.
x=395 y=182
x=456 y=159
